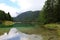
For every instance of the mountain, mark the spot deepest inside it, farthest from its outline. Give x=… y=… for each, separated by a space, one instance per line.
x=28 y=16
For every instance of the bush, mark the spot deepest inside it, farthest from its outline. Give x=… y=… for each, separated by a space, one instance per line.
x=52 y=26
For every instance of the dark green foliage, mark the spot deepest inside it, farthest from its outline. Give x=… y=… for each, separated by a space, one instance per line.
x=50 y=12
x=5 y=16
x=8 y=17
x=42 y=18
x=2 y=14
x=57 y=10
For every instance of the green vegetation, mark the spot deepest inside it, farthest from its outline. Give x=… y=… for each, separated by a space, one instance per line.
x=5 y=16
x=45 y=22
x=52 y=26
x=50 y=12
x=46 y=32
x=49 y=17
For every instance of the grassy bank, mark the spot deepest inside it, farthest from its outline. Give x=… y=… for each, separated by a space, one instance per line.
x=48 y=31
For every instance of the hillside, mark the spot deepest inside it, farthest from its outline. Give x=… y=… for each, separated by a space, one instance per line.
x=27 y=16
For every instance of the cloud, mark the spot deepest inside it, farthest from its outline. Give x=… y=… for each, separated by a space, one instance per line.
x=13 y=1
x=7 y=9
x=26 y=5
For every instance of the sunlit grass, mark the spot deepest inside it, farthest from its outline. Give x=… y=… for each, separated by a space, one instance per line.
x=7 y=23
x=52 y=26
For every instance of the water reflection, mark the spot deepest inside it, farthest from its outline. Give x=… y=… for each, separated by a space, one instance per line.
x=14 y=34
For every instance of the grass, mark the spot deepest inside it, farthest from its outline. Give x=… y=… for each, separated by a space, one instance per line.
x=4 y=30
x=7 y=23
x=22 y=27
x=52 y=26
x=48 y=31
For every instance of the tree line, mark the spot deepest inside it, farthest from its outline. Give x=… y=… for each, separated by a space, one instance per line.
x=5 y=16
x=50 y=12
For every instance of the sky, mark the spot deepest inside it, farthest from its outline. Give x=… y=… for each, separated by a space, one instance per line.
x=18 y=6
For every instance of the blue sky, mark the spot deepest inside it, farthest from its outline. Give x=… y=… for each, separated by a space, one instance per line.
x=14 y=6
x=9 y=3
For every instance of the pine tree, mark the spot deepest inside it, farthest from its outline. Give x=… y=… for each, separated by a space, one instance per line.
x=5 y=16
x=2 y=15
x=57 y=10
x=50 y=12
x=9 y=17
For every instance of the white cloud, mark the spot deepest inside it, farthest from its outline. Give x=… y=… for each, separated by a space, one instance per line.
x=13 y=1
x=33 y=5
x=25 y=5
x=7 y=9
